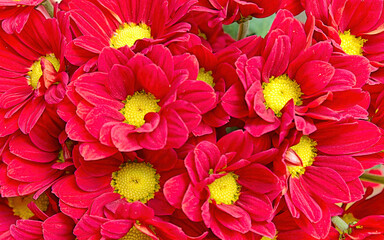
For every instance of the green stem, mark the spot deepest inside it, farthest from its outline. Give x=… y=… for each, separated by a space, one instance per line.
x=49 y=7
x=372 y=178
x=243 y=30
x=340 y=224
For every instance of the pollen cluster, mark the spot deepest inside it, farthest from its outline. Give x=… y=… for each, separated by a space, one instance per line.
x=20 y=208
x=137 y=106
x=36 y=72
x=136 y=181
x=205 y=76
x=135 y=234
x=351 y=44
x=129 y=33
x=225 y=190
x=306 y=149
x=279 y=91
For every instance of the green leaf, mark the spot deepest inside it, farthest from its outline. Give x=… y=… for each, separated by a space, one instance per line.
x=257 y=26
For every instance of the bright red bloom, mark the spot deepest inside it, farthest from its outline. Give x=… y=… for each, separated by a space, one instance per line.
x=27 y=167
x=117 y=23
x=287 y=229
x=288 y=82
x=15 y=14
x=110 y=217
x=229 y=11
x=32 y=71
x=356 y=28
x=93 y=178
x=136 y=101
x=218 y=71
x=28 y=218
x=226 y=187
x=210 y=36
x=321 y=171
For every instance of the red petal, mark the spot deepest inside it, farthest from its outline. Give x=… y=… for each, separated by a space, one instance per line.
x=305 y=203
x=325 y=183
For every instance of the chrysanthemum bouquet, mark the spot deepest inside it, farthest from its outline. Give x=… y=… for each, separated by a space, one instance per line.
x=144 y=119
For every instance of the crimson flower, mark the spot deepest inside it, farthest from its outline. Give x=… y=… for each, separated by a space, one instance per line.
x=227 y=188
x=28 y=165
x=365 y=217
x=14 y=14
x=147 y=171
x=137 y=24
x=33 y=77
x=110 y=217
x=290 y=82
x=322 y=170
x=229 y=11
x=136 y=101
x=354 y=32
x=24 y=217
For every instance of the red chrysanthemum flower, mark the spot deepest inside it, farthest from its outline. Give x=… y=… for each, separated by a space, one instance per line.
x=110 y=217
x=147 y=171
x=210 y=36
x=290 y=82
x=229 y=11
x=138 y=24
x=226 y=187
x=32 y=71
x=27 y=166
x=355 y=27
x=136 y=101
x=14 y=14
x=365 y=217
x=218 y=71
x=24 y=217
x=287 y=229
x=321 y=170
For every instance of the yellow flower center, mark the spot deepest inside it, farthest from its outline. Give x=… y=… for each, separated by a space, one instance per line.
x=201 y=34
x=136 y=181
x=306 y=149
x=129 y=33
x=351 y=44
x=350 y=219
x=60 y=157
x=205 y=77
x=135 y=234
x=279 y=91
x=225 y=189
x=20 y=208
x=36 y=72
x=137 y=106
x=267 y=238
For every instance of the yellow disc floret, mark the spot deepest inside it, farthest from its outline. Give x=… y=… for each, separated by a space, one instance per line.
x=306 y=150
x=135 y=234
x=351 y=44
x=20 y=208
x=36 y=72
x=136 y=181
x=129 y=33
x=267 y=238
x=205 y=76
x=225 y=190
x=350 y=219
x=137 y=106
x=60 y=157
x=279 y=91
